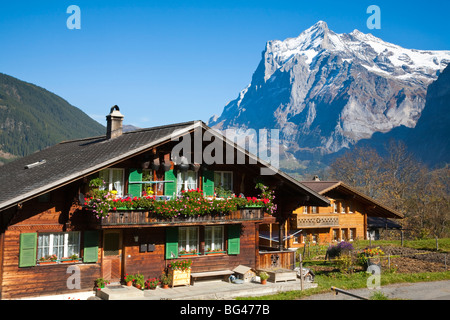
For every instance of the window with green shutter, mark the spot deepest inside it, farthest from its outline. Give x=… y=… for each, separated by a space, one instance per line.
x=170 y=188
x=171 y=243
x=90 y=246
x=134 y=189
x=234 y=239
x=27 y=250
x=208 y=183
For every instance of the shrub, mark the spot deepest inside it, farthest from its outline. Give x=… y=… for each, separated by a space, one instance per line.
x=342 y=248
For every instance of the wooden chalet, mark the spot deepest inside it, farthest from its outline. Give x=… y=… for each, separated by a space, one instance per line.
x=349 y=216
x=43 y=211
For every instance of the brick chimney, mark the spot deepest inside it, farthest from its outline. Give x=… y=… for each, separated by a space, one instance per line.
x=114 y=123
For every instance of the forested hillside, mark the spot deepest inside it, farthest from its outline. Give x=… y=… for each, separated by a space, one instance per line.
x=32 y=118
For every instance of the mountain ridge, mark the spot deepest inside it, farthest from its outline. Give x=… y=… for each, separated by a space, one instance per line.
x=33 y=118
x=326 y=91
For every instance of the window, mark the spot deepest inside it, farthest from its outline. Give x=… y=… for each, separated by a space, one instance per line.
x=344 y=234
x=305 y=209
x=223 y=180
x=186 y=181
x=335 y=235
x=147 y=188
x=188 y=240
x=214 y=238
x=352 y=234
x=335 y=207
x=62 y=244
x=313 y=209
x=113 y=179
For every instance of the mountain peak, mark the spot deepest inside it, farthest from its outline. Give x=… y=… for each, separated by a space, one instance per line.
x=325 y=91
x=320 y=25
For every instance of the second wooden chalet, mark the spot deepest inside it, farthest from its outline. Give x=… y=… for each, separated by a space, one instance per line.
x=120 y=204
x=350 y=215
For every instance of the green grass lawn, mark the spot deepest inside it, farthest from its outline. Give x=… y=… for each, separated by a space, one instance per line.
x=358 y=279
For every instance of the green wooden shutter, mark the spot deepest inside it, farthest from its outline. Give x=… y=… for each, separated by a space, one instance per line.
x=134 y=189
x=234 y=239
x=170 y=188
x=27 y=251
x=208 y=183
x=171 y=243
x=90 y=246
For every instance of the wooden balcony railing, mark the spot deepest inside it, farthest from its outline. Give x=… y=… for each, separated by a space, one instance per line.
x=134 y=218
x=315 y=221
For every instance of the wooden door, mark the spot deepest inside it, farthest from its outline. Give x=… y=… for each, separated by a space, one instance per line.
x=112 y=255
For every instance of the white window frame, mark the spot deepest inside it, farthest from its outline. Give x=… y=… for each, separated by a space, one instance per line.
x=182 y=181
x=305 y=209
x=110 y=183
x=188 y=246
x=215 y=235
x=335 y=207
x=51 y=246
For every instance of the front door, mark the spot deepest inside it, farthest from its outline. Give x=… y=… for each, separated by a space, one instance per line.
x=112 y=255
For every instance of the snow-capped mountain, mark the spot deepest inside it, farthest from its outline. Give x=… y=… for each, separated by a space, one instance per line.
x=326 y=91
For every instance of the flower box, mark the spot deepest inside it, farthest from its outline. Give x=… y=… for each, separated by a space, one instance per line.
x=180 y=277
x=188 y=255
x=215 y=252
x=47 y=262
x=69 y=260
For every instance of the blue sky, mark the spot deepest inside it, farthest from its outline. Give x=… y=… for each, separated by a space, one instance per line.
x=173 y=61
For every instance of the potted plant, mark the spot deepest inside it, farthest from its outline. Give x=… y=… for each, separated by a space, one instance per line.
x=152 y=283
x=139 y=281
x=165 y=280
x=263 y=276
x=180 y=272
x=129 y=279
x=101 y=283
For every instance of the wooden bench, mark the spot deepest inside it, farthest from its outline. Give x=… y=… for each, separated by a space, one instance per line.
x=225 y=273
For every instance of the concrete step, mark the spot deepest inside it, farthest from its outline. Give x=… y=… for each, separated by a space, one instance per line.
x=119 y=292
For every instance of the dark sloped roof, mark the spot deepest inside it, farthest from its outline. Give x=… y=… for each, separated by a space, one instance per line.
x=374 y=207
x=69 y=160
x=379 y=222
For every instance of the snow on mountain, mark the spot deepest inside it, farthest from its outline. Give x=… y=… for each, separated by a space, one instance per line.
x=325 y=91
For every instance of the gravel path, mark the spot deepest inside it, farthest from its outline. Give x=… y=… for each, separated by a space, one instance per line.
x=435 y=290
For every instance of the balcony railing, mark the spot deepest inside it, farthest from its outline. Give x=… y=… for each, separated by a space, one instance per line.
x=315 y=221
x=141 y=218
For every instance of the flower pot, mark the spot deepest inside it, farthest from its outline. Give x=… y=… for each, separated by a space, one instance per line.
x=129 y=283
x=165 y=286
x=264 y=281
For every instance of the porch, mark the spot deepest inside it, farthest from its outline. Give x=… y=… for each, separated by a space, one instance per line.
x=204 y=290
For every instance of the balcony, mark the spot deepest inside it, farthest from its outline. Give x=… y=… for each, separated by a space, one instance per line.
x=315 y=221
x=136 y=218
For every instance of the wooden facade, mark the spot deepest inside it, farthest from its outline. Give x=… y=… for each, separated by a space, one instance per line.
x=345 y=219
x=129 y=241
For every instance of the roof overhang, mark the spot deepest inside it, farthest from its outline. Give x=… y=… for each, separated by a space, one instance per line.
x=314 y=196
